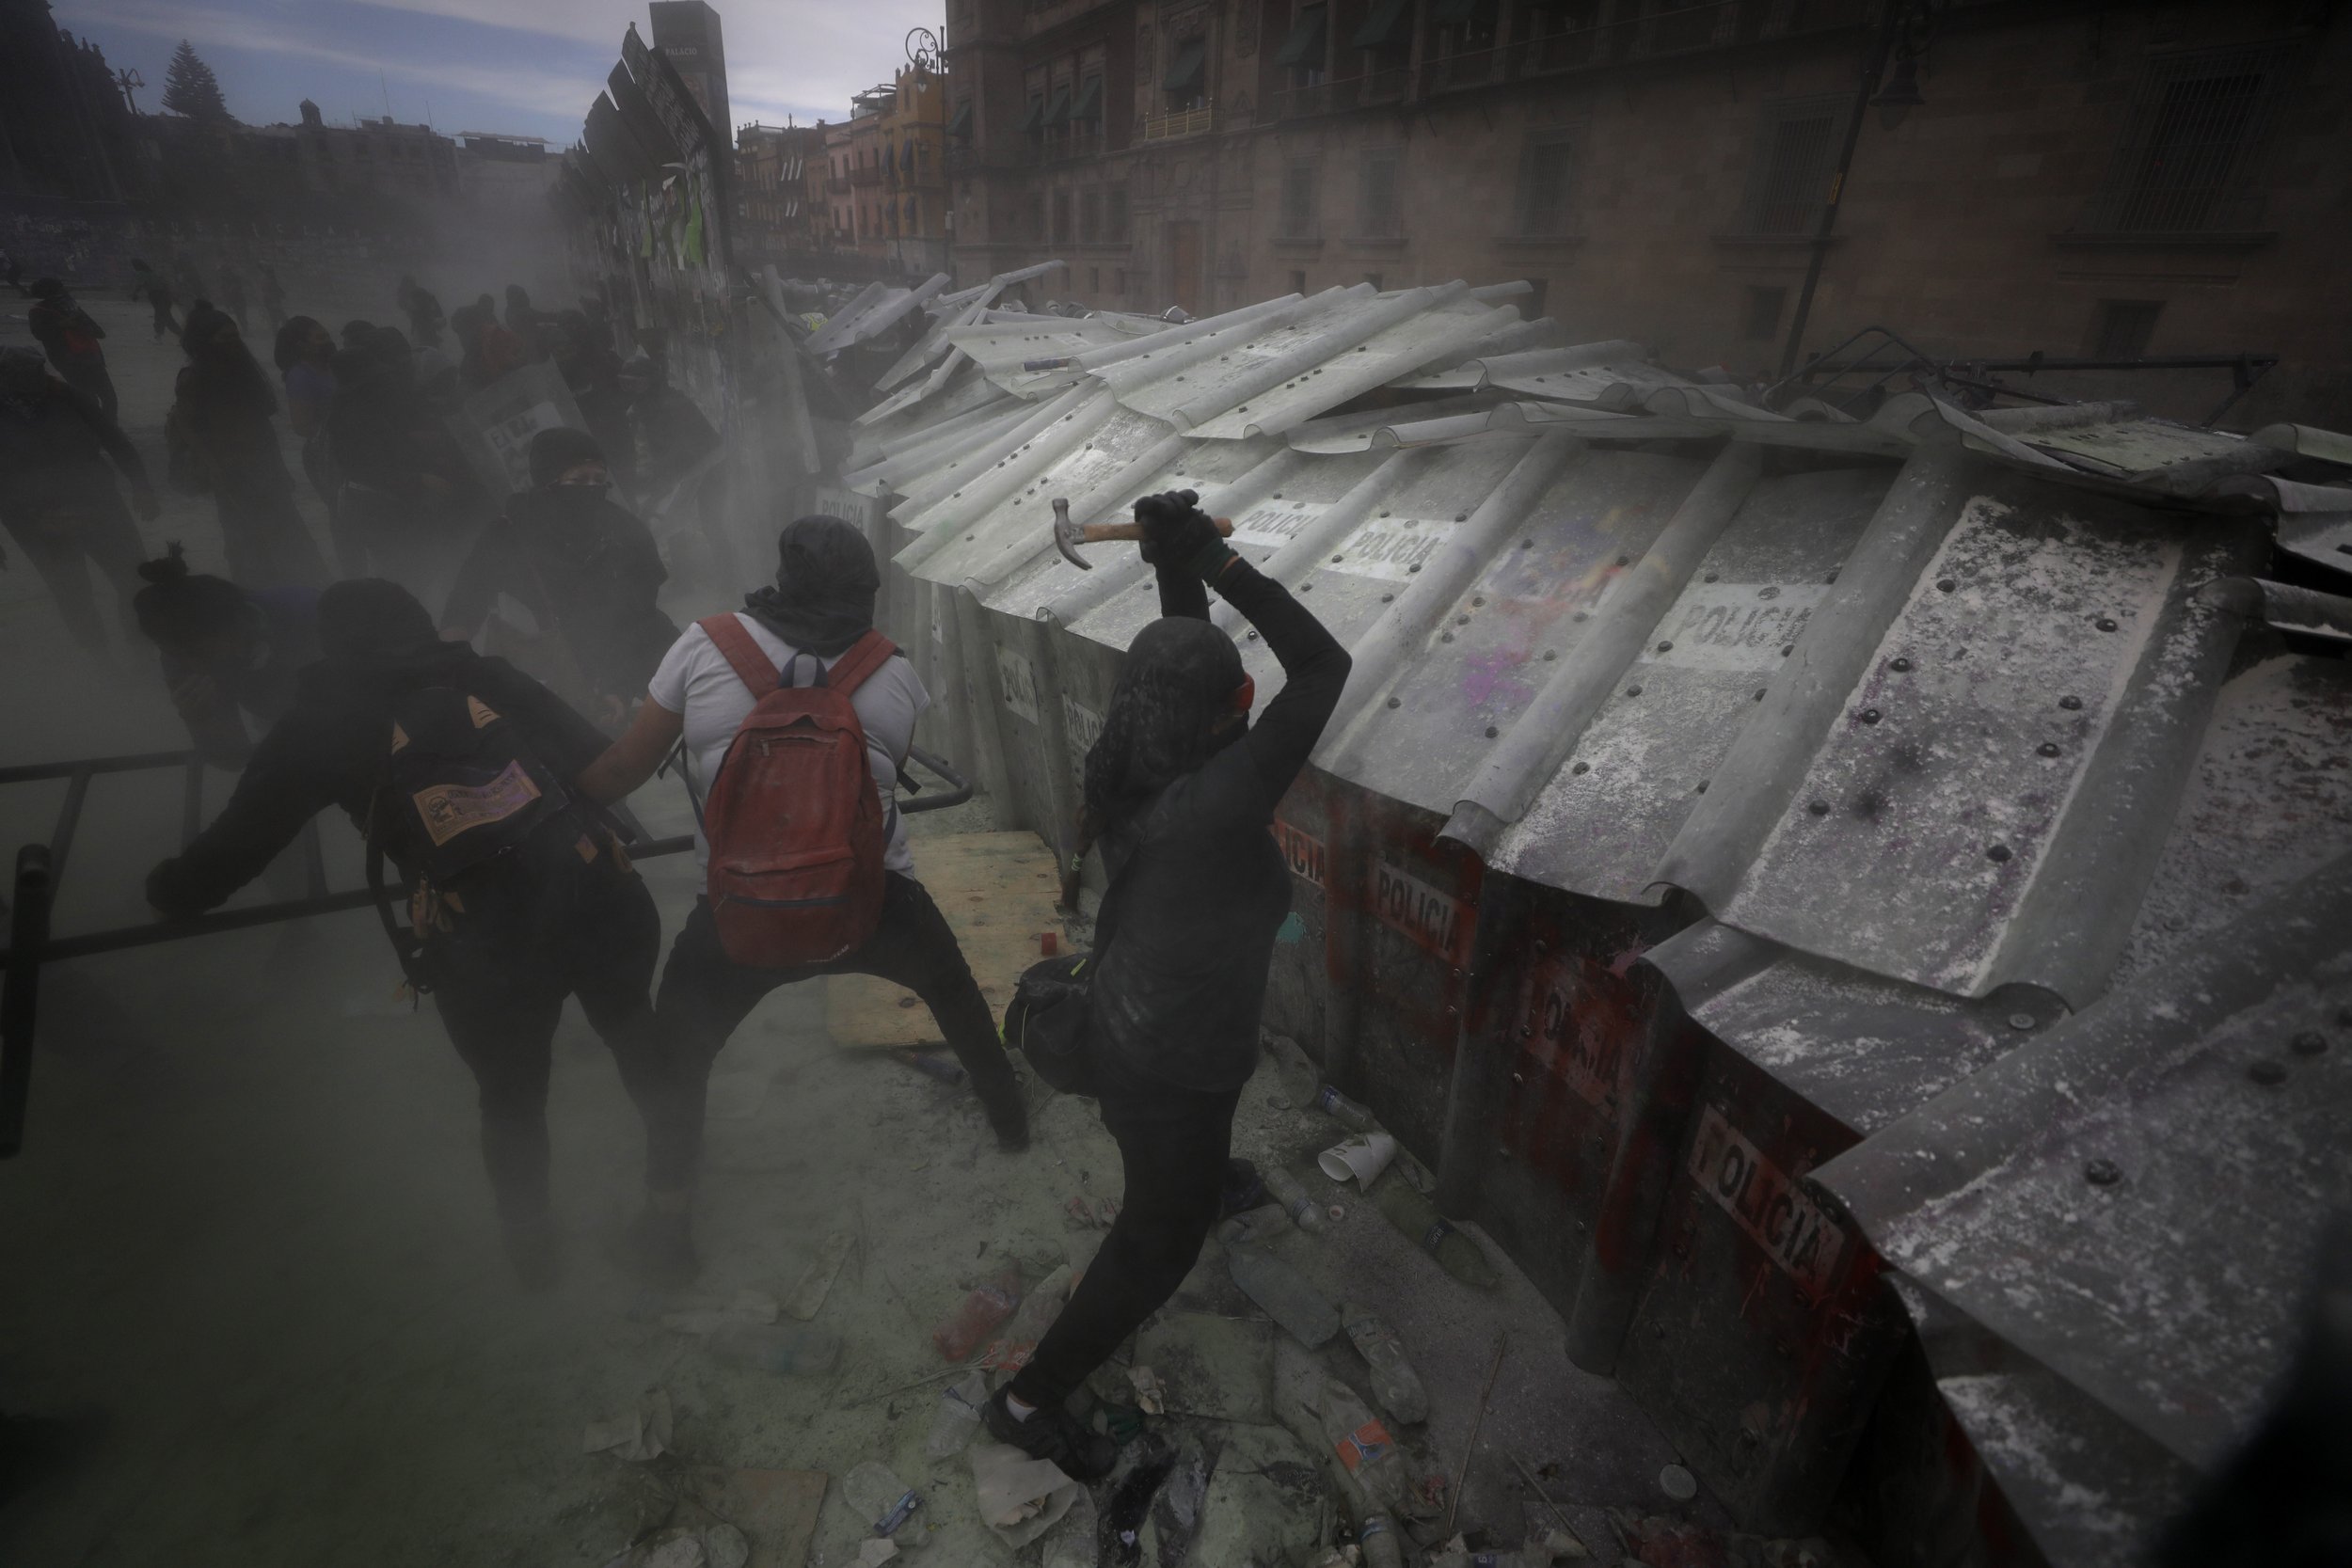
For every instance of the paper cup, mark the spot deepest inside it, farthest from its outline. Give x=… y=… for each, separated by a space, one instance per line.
x=1363 y=1157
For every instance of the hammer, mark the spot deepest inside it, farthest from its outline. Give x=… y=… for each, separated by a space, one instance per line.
x=1068 y=536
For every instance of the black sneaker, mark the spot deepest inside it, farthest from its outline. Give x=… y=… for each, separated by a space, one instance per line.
x=1008 y=1115
x=1053 y=1432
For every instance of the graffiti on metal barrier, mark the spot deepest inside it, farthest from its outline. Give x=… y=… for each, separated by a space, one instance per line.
x=1301 y=852
x=1589 y=1065
x=1766 y=1203
x=1080 y=725
x=1018 y=678
x=1436 y=920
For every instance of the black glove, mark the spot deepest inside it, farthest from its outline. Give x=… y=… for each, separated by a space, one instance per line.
x=1178 y=534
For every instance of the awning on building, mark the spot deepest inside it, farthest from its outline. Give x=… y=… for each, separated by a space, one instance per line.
x=906 y=155
x=1036 y=115
x=1185 y=70
x=1057 y=112
x=1089 y=104
x=960 y=123
x=1390 y=21
x=1305 y=44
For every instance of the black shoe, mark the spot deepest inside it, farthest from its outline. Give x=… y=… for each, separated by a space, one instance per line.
x=1052 y=1433
x=658 y=1249
x=1244 y=1189
x=535 y=1248
x=1008 y=1115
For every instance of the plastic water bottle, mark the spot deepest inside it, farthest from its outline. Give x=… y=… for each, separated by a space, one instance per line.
x=958 y=1416
x=1415 y=1216
x=1365 y=1450
x=1377 y=1536
x=1286 y=1189
x=1279 y=1289
x=979 y=1315
x=1347 y=1112
x=877 y=1495
x=788 y=1349
x=1394 y=1382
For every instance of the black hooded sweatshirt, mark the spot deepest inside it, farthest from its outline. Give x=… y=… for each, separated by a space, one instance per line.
x=331 y=750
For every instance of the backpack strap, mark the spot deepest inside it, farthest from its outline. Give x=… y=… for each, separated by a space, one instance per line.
x=864 y=657
x=742 y=651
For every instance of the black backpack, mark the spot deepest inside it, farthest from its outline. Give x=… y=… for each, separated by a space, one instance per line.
x=461 y=790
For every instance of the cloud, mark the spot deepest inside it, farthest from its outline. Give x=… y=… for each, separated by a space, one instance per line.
x=537 y=89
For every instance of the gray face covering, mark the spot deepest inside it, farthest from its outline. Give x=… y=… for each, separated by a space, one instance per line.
x=1167 y=718
x=822 y=599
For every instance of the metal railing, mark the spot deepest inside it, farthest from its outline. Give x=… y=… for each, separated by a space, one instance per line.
x=1179 y=122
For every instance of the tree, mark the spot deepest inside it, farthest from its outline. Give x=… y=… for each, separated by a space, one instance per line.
x=190 y=87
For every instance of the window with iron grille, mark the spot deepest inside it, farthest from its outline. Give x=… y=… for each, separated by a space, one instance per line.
x=1089 y=216
x=1299 y=180
x=1376 y=209
x=1543 y=170
x=2123 y=328
x=2185 y=161
x=1796 y=154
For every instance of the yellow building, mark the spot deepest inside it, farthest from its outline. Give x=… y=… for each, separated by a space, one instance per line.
x=912 y=194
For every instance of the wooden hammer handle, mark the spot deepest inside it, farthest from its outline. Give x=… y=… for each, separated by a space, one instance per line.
x=1106 y=533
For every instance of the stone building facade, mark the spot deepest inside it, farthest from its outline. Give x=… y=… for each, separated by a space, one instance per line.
x=2071 y=178
x=780 y=208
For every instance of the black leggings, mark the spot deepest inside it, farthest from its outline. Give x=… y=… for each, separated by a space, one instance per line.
x=500 y=980
x=1173 y=1144
x=705 y=995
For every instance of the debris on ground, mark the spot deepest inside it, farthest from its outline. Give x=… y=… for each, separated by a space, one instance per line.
x=1394 y=1384
x=958 y=1418
x=788 y=1349
x=1010 y=1351
x=1656 y=1542
x=980 y=1314
x=1019 y=1498
x=877 y=1495
x=1279 y=1289
x=745 y=1306
x=1265 y=1500
x=1208 y=1365
x=638 y=1436
x=808 y=1296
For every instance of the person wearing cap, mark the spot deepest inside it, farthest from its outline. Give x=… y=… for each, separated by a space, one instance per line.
x=502 y=943
x=821 y=605
x=586 y=569
x=58 y=499
x=1180 y=794
x=75 y=343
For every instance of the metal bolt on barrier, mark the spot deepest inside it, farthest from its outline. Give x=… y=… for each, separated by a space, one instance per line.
x=1870 y=716
x=1996 y=853
x=2048 y=748
x=2071 y=705
x=2102 y=1173
x=2021 y=1020
x=1900 y=666
x=1818 y=808
x=1945 y=585
x=2107 y=622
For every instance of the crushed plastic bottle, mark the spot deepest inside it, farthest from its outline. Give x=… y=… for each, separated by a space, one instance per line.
x=788 y=1349
x=979 y=1315
x=1286 y=1189
x=1282 y=1290
x=876 y=1495
x=1347 y=1112
x=958 y=1416
x=1303 y=1085
x=1394 y=1382
x=1011 y=1349
x=1415 y=1216
x=1382 y=1546
x=1366 y=1452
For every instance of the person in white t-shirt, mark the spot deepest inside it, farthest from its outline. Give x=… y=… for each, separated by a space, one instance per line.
x=822 y=602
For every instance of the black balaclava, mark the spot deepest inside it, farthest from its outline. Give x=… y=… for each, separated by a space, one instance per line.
x=178 y=606
x=1168 y=715
x=554 y=450
x=826 y=581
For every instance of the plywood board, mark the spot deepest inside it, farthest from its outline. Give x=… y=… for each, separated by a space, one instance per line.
x=997 y=892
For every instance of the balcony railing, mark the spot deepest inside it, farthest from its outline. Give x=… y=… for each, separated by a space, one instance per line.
x=1181 y=122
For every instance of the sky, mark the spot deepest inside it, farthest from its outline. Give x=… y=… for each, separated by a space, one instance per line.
x=522 y=67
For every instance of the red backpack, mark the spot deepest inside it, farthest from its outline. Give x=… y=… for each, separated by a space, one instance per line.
x=796 y=829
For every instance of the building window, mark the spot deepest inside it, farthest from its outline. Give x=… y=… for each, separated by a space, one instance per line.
x=1187 y=81
x=1792 y=169
x=1305 y=50
x=1298 y=282
x=1764 y=307
x=2123 y=328
x=1544 y=164
x=1299 y=180
x=1376 y=209
x=1061 y=218
x=1089 y=216
x=1094 y=280
x=2188 y=146
x=1117 y=222
x=1037 y=215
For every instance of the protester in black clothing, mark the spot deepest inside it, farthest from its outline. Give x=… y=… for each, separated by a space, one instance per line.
x=392 y=498
x=502 y=943
x=57 y=497
x=422 y=311
x=821 y=607
x=592 y=371
x=224 y=442
x=147 y=280
x=585 y=569
x=73 y=341
x=228 y=655
x=1180 y=795
x=534 y=328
